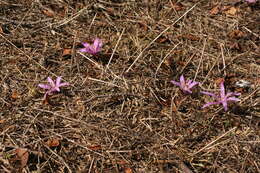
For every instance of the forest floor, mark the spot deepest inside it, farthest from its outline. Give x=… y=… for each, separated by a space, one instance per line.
x=121 y=113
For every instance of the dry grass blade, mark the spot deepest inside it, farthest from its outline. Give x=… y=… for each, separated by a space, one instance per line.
x=159 y=35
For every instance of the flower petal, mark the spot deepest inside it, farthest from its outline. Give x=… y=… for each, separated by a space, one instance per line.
x=83 y=50
x=97 y=44
x=233 y=99
x=192 y=83
x=176 y=83
x=51 y=82
x=58 y=81
x=85 y=44
x=55 y=89
x=44 y=86
x=224 y=103
x=187 y=90
x=222 y=90
x=63 y=84
x=182 y=80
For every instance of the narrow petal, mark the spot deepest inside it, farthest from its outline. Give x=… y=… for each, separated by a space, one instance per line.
x=51 y=82
x=224 y=103
x=232 y=94
x=85 y=44
x=44 y=86
x=58 y=81
x=209 y=103
x=89 y=50
x=182 y=80
x=193 y=83
x=233 y=99
x=97 y=44
x=209 y=94
x=92 y=50
x=63 y=84
x=187 y=90
x=176 y=83
x=83 y=50
x=56 y=89
x=222 y=90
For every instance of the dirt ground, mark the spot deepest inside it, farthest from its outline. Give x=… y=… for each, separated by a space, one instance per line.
x=120 y=112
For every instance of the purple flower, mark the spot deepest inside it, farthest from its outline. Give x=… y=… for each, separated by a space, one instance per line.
x=52 y=86
x=222 y=98
x=92 y=49
x=250 y=1
x=185 y=86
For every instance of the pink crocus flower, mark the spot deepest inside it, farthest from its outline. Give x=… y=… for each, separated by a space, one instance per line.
x=53 y=86
x=94 y=48
x=185 y=86
x=251 y=1
x=222 y=98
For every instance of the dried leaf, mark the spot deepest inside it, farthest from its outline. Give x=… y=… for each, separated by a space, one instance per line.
x=219 y=80
x=190 y=37
x=231 y=11
x=48 y=12
x=234 y=46
x=2 y=121
x=143 y=25
x=15 y=95
x=120 y=162
x=95 y=147
x=128 y=170
x=22 y=155
x=163 y=39
x=214 y=10
x=53 y=142
x=177 y=6
x=66 y=52
x=236 y=34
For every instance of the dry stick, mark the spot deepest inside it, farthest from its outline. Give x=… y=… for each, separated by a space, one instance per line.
x=250 y=95
x=251 y=32
x=92 y=22
x=238 y=56
x=101 y=81
x=23 y=22
x=22 y=19
x=94 y=62
x=65 y=21
x=214 y=141
x=28 y=56
x=205 y=78
x=80 y=145
x=91 y=164
x=180 y=72
x=60 y=158
x=164 y=60
x=223 y=59
x=80 y=121
x=73 y=53
x=115 y=48
x=201 y=57
x=159 y=36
